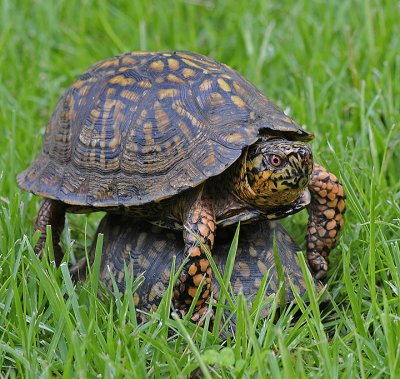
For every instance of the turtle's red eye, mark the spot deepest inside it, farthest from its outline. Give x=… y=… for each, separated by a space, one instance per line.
x=275 y=160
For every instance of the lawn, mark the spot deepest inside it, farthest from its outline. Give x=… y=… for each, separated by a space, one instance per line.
x=334 y=66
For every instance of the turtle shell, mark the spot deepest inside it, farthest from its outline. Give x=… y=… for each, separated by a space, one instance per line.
x=145 y=126
x=147 y=250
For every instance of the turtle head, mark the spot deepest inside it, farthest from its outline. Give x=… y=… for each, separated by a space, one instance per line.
x=278 y=171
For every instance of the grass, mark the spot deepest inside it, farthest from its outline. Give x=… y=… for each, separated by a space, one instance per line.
x=334 y=66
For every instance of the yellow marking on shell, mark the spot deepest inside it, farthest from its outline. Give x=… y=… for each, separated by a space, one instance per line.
x=121 y=80
x=160 y=79
x=144 y=263
x=244 y=269
x=238 y=102
x=262 y=267
x=224 y=85
x=193 y=64
x=177 y=140
x=156 y=291
x=178 y=107
x=130 y=95
x=173 y=64
x=205 y=85
x=166 y=274
x=80 y=82
x=107 y=63
x=144 y=53
x=239 y=89
x=167 y=145
x=152 y=149
x=123 y=69
x=147 y=131
x=145 y=83
x=83 y=91
x=142 y=116
x=129 y=61
x=252 y=251
x=234 y=138
x=226 y=76
x=141 y=239
x=136 y=299
x=168 y=92
x=216 y=99
x=210 y=159
x=157 y=66
x=189 y=56
x=133 y=108
x=108 y=73
x=185 y=129
x=238 y=285
x=120 y=277
x=166 y=54
x=110 y=93
x=160 y=246
x=188 y=73
x=103 y=161
x=175 y=79
x=162 y=118
x=127 y=250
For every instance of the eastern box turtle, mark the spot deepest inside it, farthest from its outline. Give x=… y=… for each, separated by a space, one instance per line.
x=184 y=142
x=136 y=249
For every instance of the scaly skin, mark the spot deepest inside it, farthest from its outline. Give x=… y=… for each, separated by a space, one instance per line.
x=326 y=211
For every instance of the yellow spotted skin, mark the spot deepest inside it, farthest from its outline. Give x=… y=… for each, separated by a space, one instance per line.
x=148 y=251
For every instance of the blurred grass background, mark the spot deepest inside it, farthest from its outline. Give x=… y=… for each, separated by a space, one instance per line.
x=334 y=66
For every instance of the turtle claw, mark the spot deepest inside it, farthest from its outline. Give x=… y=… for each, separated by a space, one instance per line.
x=318 y=263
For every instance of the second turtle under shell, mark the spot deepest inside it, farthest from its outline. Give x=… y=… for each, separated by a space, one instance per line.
x=142 y=250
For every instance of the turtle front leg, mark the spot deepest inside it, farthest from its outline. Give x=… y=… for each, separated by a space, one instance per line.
x=325 y=220
x=51 y=212
x=199 y=226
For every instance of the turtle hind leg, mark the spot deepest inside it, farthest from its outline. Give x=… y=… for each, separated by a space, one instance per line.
x=51 y=212
x=325 y=221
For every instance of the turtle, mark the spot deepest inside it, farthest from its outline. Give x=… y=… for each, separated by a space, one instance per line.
x=146 y=251
x=187 y=143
